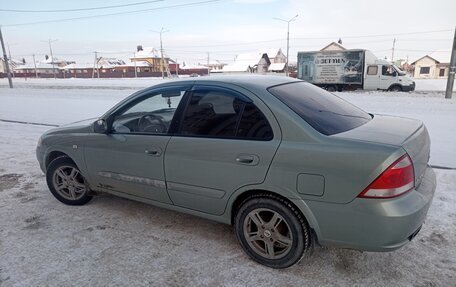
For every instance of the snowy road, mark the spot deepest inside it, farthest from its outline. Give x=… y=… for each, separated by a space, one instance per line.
x=113 y=241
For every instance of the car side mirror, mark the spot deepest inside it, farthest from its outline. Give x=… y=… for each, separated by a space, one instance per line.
x=100 y=126
x=394 y=74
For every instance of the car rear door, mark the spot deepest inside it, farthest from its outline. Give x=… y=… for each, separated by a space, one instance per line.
x=225 y=139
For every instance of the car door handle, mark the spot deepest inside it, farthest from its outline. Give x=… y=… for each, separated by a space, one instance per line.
x=156 y=151
x=244 y=160
x=247 y=159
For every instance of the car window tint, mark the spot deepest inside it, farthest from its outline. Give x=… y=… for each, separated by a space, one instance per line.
x=219 y=113
x=211 y=113
x=152 y=114
x=253 y=124
x=324 y=111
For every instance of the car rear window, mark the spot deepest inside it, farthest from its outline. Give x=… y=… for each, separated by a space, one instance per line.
x=325 y=112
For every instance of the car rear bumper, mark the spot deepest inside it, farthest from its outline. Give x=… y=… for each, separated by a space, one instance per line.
x=374 y=224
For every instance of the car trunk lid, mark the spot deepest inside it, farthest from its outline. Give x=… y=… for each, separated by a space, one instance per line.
x=409 y=134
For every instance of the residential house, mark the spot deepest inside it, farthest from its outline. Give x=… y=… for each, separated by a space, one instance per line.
x=432 y=66
x=45 y=68
x=275 y=56
x=40 y=69
x=215 y=66
x=13 y=63
x=249 y=62
x=151 y=56
x=333 y=46
x=78 y=70
x=193 y=69
x=278 y=60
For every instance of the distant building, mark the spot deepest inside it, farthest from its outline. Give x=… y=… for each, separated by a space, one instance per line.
x=432 y=66
x=249 y=62
x=77 y=70
x=215 y=66
x=2 y=66
x=186 y=69
x=44 y=70
x=109 y=63
x=333 y=47
x=13 y=63
x=275 y=56
x=151 y=56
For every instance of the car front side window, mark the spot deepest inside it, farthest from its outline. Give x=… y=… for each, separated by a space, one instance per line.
x=149 y=114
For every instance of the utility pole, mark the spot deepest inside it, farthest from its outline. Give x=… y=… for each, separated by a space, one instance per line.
x=34 y=64
x=95 y=66
x=9 y=50
x=52 y=56
x=177 y=68
x=5 y=58
x=161 y=52
x=162 y=57
x=392 y=51
x=134 y=57
x=96 y=61
x=208 y=61
x=11 y=59
x=451 y=70
x=288 y=39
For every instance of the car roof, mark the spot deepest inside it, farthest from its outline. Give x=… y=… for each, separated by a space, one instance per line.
x=253 y=81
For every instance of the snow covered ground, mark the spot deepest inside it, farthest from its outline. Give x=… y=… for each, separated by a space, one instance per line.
x=113 y=241
x=128 y=83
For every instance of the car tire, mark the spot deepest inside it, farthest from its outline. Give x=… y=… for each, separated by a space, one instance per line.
x=272 y=231
x=331 y=89
x=395 y=88
x=66 y=182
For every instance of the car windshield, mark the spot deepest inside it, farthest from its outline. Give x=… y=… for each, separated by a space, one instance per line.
x=325 y=112
x=399 y=71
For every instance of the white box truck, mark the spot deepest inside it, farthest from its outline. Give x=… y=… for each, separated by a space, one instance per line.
x=350 y=70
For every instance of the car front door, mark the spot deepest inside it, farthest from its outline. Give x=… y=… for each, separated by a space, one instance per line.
x=129 y=159
x=226 y=139
x=387 y=77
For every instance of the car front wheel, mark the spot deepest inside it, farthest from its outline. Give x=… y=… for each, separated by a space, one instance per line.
x=272 y=231
x=66 y=182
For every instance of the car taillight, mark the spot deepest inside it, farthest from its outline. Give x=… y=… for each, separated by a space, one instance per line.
x=397 y=179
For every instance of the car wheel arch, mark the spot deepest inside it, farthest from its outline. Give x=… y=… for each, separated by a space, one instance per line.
x=395 y=87
x=54 y=155
x=240 y=197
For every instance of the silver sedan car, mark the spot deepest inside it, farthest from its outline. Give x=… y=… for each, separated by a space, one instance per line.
x=288 y=164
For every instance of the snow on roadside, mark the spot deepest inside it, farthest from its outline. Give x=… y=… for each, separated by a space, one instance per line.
x=432 y=85
x=128 y=83
x=57 y=106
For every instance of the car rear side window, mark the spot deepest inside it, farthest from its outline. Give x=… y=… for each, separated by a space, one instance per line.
x=325 y=112
x=222 y=114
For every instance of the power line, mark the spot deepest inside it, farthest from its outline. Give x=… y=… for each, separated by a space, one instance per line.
x=112 y=14
x=79 y=9
x=314 y=38
x=376 y=35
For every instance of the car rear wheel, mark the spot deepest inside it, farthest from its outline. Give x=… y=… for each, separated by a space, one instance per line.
x=272 y=232
x=66 y=182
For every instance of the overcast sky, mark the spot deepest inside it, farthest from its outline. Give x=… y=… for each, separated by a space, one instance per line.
x=226 y=28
